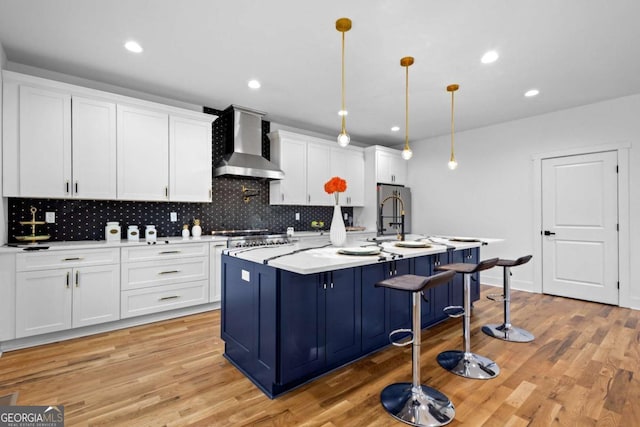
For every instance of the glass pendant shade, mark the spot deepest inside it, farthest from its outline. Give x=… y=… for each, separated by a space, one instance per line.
x=407 y=153
x=343 y=139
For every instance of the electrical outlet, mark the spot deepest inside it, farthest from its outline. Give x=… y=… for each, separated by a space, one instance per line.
x=50 y=217
x=173 y=216
x=297 y=216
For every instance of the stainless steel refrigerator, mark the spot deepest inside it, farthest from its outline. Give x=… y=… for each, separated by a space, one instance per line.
x=390 y=212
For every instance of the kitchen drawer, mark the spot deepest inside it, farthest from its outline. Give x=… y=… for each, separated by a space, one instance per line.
x=144 y=274
x=161 y=298
x=48 y=259
x=164 y=251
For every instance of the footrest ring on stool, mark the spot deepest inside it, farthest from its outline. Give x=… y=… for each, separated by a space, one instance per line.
x=401 y=343
x=454 y=311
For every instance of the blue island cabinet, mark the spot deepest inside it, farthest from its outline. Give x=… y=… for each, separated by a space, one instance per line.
x=282 y=329
x=383 y=309
x=319 y=322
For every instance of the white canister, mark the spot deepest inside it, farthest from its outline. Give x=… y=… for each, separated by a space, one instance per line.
x=150 y=233
x=196 y=230
x=112 y=232
x=185 y=231
x=133 y=235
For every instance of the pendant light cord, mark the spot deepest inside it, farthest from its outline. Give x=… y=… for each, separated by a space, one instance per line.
x=406 y=109
x=343 y=110
x=452 y=157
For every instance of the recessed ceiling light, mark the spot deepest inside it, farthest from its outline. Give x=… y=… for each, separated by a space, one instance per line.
x=254 y=84
x=395 y=128
x=133 y=46
x=343 y=113
x=489 y=57
x=531 y=92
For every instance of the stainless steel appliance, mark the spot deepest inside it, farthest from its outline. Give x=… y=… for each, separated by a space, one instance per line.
x=251 y=238
x=389 y=214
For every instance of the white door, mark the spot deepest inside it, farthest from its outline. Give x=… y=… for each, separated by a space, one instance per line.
x=96 y=295
x=45 y=143
x=318 y=174
x=579 y=227
x=349 y=165
x=143 y=154
x=190 y=160
x=94 y=148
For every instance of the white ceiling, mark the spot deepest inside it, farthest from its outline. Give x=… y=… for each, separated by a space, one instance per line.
x=204 y=51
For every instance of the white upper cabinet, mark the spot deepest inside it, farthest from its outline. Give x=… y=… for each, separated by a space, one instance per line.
x=65 y=141
x=143 y=154
x=390 y=167
x=348 y=164
x=308 y=163
x=189 y=160
x=37 y=160
x=94 y=149
x=290 y=154
x=318 y=173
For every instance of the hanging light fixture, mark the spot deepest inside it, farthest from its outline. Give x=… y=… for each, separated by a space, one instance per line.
x=343 y=25
x=452 y=160
x=406 y=62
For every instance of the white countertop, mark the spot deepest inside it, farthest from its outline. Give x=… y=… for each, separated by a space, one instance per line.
x=314 y=258
x=98 y=244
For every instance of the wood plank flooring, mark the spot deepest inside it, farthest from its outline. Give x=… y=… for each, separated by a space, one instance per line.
x=583 y=369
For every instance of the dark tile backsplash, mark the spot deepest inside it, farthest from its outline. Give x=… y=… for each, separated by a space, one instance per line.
x=86 y=219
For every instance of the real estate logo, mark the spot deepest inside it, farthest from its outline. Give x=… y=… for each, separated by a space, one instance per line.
x=32 y=416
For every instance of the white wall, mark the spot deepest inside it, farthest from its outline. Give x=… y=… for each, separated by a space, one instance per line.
x=3 y=200
x=491 y=194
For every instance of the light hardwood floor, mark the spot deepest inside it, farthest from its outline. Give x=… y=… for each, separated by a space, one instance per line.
x=583 y=369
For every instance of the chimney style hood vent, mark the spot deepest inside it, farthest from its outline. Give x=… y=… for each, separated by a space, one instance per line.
x=244 y=150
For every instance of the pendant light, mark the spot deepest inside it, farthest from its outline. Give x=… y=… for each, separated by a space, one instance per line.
x=343 y=25
x=452 y=160
x=406 y=152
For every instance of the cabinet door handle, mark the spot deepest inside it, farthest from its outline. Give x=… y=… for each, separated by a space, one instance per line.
x=169 y=272
x=166 y=192
x=68 y=280
x=77 y=279
x=72 y=259
x=210 y=194
x=66 y=186
x=76 y=187
x=169 y=252
x=171 y=297
x=308 y=198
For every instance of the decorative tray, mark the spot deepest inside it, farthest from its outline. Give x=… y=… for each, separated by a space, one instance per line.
x=357 y=250
x=412 y=244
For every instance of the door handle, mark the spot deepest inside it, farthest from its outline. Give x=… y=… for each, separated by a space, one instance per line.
x=549 y=233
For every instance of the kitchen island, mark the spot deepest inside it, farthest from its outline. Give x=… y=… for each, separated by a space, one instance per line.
x=294 y=312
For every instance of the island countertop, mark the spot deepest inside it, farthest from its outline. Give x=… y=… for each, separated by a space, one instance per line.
x=311 y=257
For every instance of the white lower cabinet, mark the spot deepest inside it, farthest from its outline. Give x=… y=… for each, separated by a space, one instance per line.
x=55 y=300
x=215 y=271
x=158 y=278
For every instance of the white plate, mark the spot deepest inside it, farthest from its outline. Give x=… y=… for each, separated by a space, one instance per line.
x=412 y=244
x=357 y=250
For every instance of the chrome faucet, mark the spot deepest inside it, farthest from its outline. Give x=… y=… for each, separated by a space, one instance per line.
x=401 y=223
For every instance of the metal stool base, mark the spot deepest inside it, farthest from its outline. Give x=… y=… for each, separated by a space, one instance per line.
x=468 y=365
x=512 y=334
x=423 y=407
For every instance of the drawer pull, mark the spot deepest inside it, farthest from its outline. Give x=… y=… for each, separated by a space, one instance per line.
x=169 y=272
x=77 y=279
x=171 y=297
x=169 y=252
x=73 y=259
x=67 y=280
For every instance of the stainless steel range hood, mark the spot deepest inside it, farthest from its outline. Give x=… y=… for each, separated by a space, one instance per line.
x=244 y=151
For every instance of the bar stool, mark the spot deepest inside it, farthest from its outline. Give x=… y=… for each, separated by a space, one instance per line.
x=415 y=403
x=465 y=363
x=507 y=331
